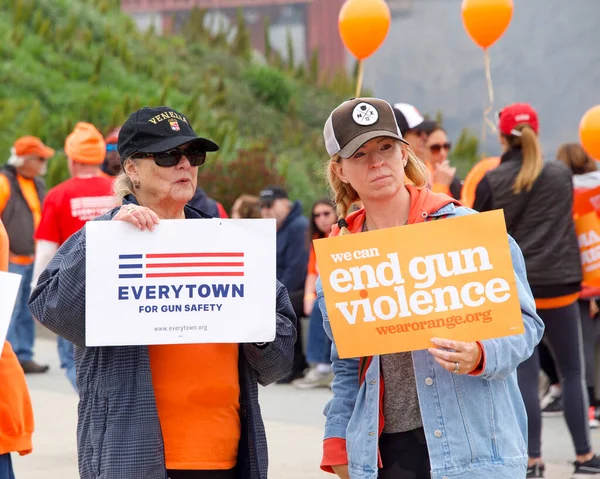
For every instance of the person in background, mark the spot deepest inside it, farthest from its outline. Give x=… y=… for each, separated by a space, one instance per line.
x=111 y=166
x=413 y=127
x=469 y=187
x=318 y=349
x=16 y=413
x=292 y=258
x=537 y=199
x=453 y=410
x=442 y=176
x=586 y=177
x=69 y=205
x=21 y=195
x=182 y=411
x=246 y=206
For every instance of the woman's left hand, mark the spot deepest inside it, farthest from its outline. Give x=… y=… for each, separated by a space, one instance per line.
x=464 y=358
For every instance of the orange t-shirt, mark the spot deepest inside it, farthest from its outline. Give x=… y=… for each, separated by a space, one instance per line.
x=198 y=400
x=33 y=201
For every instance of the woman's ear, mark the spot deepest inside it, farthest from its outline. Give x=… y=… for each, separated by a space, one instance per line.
x=404 y=156
x=130 y=168
x=338 y=169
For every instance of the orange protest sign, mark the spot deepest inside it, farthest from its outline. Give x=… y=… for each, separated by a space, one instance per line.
x=586 y=201
x=587 y=227
x=393 y=290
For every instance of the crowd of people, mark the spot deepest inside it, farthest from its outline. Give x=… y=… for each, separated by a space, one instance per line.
x=396 y=416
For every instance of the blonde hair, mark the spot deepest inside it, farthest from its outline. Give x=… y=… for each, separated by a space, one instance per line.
x=533 y=163
x=345 y=195
x=123 y=185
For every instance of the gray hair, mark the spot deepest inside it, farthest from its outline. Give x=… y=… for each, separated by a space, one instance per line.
x=14 y=160
x=123 y=185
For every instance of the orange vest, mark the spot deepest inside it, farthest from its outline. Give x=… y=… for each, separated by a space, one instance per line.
x=16 y=413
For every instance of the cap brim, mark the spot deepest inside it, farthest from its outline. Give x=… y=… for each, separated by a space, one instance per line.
x=360 y=140
x=176 y=142
x=47 y=153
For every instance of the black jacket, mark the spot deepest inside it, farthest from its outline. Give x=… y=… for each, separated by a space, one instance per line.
x=545 y=231
x=292 y=251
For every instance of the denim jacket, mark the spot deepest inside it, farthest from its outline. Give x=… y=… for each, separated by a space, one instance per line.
x=475 y=426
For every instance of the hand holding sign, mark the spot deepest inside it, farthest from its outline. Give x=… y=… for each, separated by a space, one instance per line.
x=139 y=216
x=393 y=290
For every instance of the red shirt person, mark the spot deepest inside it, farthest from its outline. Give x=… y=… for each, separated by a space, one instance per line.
x=70 y=204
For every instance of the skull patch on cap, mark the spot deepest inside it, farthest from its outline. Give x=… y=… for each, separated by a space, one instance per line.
x=365 y=114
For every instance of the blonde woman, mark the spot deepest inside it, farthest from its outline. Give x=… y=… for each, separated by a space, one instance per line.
x=452 y=411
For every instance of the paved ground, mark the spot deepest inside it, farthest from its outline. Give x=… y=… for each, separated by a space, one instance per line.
x=294 y=439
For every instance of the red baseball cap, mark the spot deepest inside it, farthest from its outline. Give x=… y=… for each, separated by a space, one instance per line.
x=517 y=113
x=31 y=145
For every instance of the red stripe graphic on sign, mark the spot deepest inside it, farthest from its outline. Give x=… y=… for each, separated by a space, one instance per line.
x=189 y=265
x=194 y=255
x=174 y=275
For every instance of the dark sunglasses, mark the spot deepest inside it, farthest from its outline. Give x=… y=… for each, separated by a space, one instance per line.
x=266 y=204
x=437 y=148
x=196 y=156
x=324 y=213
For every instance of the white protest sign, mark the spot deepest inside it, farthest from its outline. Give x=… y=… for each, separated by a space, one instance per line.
x=188 y=281
x=9 y=289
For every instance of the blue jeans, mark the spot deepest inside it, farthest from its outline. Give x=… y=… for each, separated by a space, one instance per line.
x=6 y=469
x=21 y=330
x=67 y=362
x=318 y=349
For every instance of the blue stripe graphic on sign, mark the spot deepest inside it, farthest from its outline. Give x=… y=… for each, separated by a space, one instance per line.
x=131 y=256
x=130 y=276
x=130 y=266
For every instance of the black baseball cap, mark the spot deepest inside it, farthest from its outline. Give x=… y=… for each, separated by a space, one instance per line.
x=357 y=121
x=272 y=193
x=158 y=129
x=409 y=118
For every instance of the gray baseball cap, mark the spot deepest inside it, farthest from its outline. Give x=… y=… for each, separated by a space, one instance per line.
x=357 y=121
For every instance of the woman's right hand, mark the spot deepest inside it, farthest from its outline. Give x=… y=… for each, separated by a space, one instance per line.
x=341 y=471
x=139 y=216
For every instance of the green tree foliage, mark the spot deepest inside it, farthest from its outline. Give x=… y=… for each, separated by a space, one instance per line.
x=64 y=61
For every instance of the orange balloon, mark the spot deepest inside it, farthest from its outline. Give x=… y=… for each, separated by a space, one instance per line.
x=486 y=20
x=589 y=132
x=363 y=25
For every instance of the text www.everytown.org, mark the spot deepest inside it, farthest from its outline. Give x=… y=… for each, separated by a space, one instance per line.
x=194 y=327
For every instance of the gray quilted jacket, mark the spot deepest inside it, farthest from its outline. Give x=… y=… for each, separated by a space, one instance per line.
x=118 y=432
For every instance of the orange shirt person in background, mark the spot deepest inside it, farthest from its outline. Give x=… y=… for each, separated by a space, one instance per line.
x=16 y=414
x=69 y=205
x=467 y=196
x=21 y=195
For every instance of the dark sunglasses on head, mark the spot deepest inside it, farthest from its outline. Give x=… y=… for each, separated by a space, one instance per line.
x=196 y=156
x=324 y=213
x=438 y=147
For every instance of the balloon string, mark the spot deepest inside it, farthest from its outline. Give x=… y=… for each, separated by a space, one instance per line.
x=359 y=81
x=490 y=87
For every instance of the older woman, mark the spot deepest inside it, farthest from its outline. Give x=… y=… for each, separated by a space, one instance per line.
x=453 y=411
x=144 y=411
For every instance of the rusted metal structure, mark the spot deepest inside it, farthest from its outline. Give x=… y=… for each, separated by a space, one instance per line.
x=320 y=21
